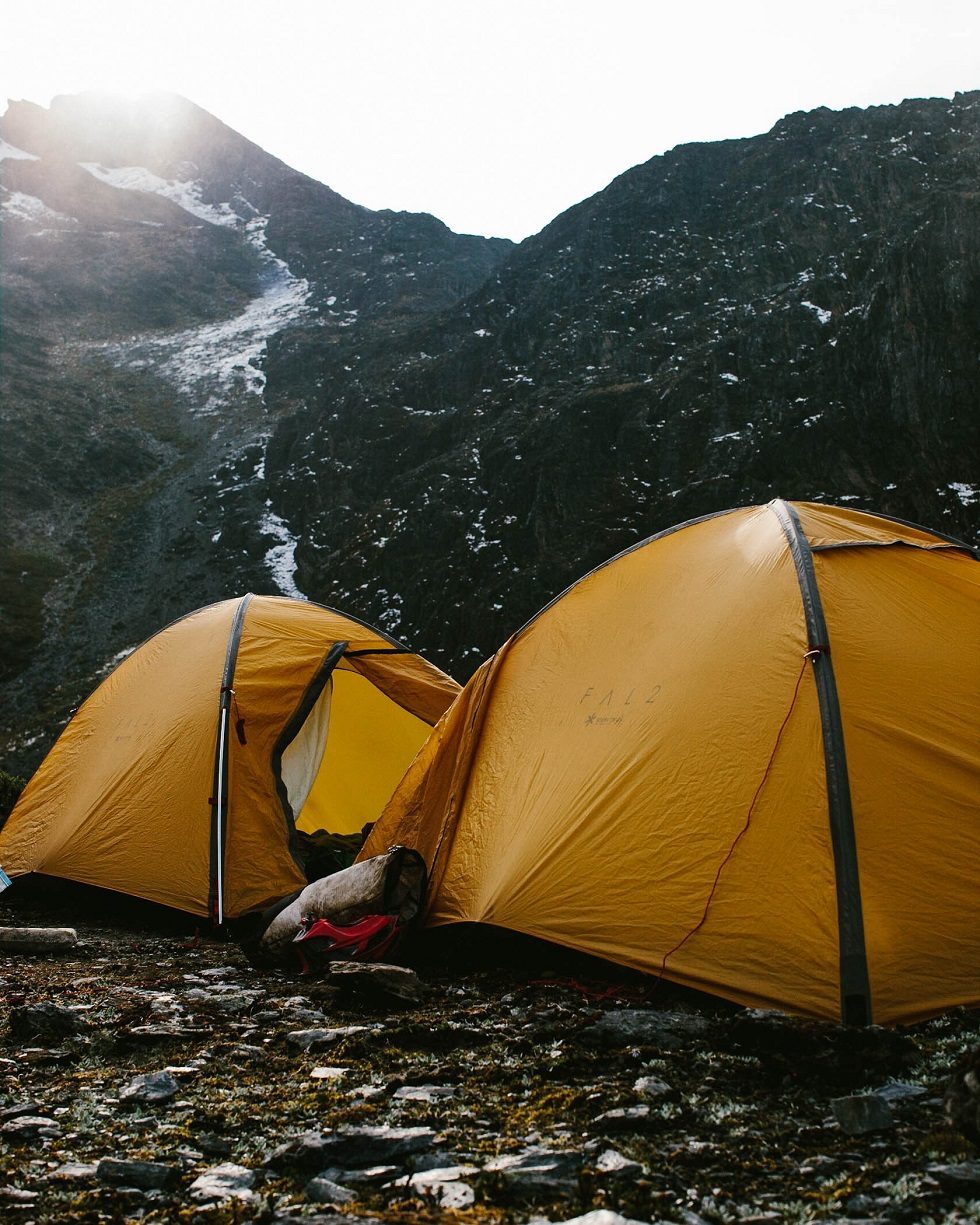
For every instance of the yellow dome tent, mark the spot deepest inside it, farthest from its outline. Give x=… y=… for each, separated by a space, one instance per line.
x=743 y=755
x=181 y=779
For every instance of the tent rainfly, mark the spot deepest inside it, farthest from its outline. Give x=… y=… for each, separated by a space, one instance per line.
x=742 y=755
x=183 y=776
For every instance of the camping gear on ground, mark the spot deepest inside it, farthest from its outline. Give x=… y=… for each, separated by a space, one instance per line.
x=742 y=755
x=359 y=913
x=184 y=776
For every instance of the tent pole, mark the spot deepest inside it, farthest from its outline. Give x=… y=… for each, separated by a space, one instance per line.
x=855 y=987
x=219 y=794
x=220 y=808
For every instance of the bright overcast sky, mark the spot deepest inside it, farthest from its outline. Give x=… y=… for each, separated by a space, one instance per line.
x=495 y=116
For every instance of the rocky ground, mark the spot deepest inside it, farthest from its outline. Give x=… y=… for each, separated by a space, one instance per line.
x=152 y=1074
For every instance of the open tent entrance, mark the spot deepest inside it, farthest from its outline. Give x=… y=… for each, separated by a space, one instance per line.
x=232 y=732
x=348 y=756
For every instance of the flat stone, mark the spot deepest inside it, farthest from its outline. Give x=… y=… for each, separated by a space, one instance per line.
x=146 y=1175
x=179 y=1072
x=17 y=1195
x=861 y=1113
x=221 y=1182
x=150 y=1088
x=899 y=1091
x=378 y=978
x=538 y=1174
x=651 y=1086
x=24 y=1126
x=614 y=1165
x=328 y=1073
x=424 y=1093
x=445 y=1187
x=149 y=1034
x=602 y=1216
x=313 y=1039
x=19 y=1108
x=622 y=1118
x=372 y=1176
x=352 y=1147
x=325 y=1191
x=75 y=1169
x=961 y=1177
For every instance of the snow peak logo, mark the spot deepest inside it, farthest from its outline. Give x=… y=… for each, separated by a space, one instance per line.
x=610 y=707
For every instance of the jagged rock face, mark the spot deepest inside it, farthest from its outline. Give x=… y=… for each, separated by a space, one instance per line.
x=793 y=315
x=221 y=376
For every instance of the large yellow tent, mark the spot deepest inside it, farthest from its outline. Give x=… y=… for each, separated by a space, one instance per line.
x=743 y=755
x=182 y=778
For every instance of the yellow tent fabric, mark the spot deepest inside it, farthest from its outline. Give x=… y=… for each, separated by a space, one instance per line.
x=742 y=755
x=169 y=782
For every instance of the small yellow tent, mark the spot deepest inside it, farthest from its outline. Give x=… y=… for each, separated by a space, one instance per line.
x=183 y=776
x=743 y=755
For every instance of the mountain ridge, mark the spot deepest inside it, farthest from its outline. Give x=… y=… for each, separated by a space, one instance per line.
x=438 y=433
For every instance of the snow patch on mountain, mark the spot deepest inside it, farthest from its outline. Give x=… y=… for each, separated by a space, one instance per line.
x=212 y=362
x=186 y=194
x=281 y=558
x=967 y=494
x=11 y=151
x=22 y=207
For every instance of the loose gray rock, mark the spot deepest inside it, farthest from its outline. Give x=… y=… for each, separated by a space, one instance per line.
x=324 y=1191
x=146 y=1175
x=378 y=979
x=614 y=1166
x=424 y=1093
x=17 y=1195
x=355 y=1147
x=47 y=1021
x=622 y=1118
x=75 y=1170
x=315 y=1039
x=445 y=1187
x=221 y=1182
x=601 y=1216
x=11 y=1112
x=899 y=1091
x=372 y=1176
x=24 y=1126
x=538 y=1174
x=643 y=1027
x=150 y=1088
x=961 y=1178
x=862 y=1112
x=651 y=1086
x=148 y=1035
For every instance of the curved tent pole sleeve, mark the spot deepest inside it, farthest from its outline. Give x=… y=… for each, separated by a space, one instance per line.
x=855 y=985
x=219 y=792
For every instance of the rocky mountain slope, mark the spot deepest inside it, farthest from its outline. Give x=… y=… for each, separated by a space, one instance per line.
x=220 y=376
